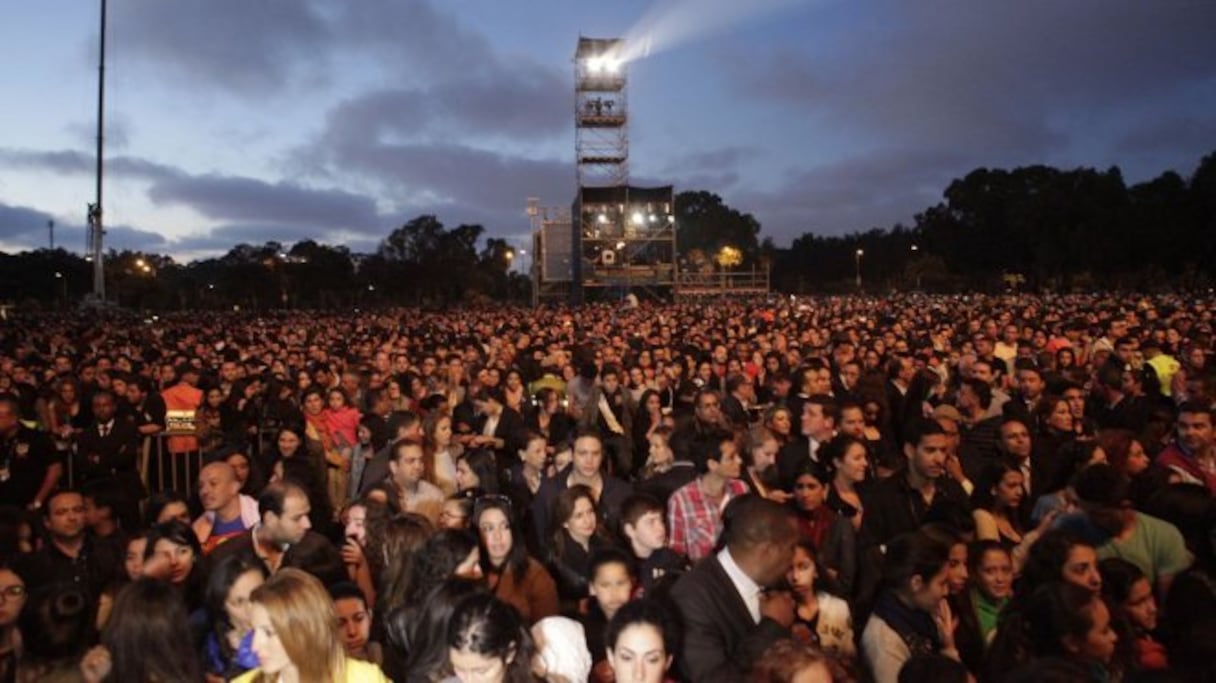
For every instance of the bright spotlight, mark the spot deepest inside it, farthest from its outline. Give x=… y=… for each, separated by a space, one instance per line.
x=620 y=245
x=654 y=218
x=595 y=64
x=638 y=218
x=612 y=65
x=602 y=218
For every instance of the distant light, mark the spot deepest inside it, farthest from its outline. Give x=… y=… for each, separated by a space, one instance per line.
x=915 y=248
x=602 y=218
x=671 y=218
x=638 y=218
x=612 y=65
x=210 y=286
x=654 y=218
x=140 y=262
x=371 y=288
x=58 y=274
x=861 y=252
x=596 y=64
x=620 y=245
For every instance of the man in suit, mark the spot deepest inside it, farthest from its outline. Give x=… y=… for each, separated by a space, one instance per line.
x=108 y=449
x=817 y=426
x=729 y=619
x=740 y=395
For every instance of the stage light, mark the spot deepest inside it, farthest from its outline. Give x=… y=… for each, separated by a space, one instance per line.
x=620 y=245
x=654 y=218
x=602 y=218
x=612 y=65
x=638 y=218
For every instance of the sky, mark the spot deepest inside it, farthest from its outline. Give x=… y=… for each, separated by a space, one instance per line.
x=232 y=121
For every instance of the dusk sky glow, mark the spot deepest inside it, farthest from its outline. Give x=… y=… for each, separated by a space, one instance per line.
x=236 y=121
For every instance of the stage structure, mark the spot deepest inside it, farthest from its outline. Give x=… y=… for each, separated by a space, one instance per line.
x=623 y=237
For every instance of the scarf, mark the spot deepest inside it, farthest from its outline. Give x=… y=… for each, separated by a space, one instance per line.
x=916 y=628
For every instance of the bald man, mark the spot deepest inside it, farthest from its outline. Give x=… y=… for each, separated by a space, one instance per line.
x=227 y=512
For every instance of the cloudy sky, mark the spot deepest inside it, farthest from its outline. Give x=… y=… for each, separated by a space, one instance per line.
x=246 y=121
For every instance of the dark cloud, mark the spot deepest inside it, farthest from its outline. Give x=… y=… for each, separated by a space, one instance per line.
x=70 y=162
x=222 y=238
x=247 y=199
x=246 y=47
x=855 y=194
x=26 y=228
x=996 y=79
x=529 y=106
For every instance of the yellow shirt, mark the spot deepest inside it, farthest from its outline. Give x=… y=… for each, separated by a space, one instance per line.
x=356 y=672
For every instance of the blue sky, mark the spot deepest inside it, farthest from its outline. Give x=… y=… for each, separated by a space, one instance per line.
x=338 y=120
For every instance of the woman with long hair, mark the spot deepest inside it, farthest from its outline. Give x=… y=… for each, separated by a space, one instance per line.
x=911 y=615
x=981 y=604
x=487 y=642
x=779 y=421
x=997 y=509
x=820 y=617
x=296 y=635
x=1058 y=620
x=575 y=536
x=832 y=534
x=440 y=451
x=640 y=641
x=321 y=440
x=424 y=635
x=147 y=640
x=476 y=472
x=173 y=554
x=647 y=418
x=12 y=590
x=1129 y=594
x=511 y=573
x=850 y=465
x=228 y=645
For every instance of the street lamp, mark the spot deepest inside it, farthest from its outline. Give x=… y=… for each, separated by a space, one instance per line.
x=858 y=255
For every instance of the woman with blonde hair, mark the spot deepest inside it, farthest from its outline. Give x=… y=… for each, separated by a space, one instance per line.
x=295 y=635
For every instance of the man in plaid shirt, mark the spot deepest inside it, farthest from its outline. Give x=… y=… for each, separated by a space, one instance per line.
x=694 y=512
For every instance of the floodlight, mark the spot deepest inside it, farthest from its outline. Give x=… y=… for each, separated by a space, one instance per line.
x=620 y=245
x=602 y=218
x=638 y=218
x=654 y=218
x=595 y=64
x=613 y=65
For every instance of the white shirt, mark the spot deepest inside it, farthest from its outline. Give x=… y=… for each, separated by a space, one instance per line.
x=749 y=590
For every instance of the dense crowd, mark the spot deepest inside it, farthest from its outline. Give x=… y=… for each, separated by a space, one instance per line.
x=906 y=489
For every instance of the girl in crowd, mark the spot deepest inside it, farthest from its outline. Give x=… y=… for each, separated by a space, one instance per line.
x=1130 y=596
x=296 y=635
x=778 y=421
x=996 y=506
x=1058 y=620
x=247 y=473
x=513 y=391
x=228 y=645
x=1060 y=555
x=342 y=424
x=640 y=640
x=147 y=639
x=647 y=419
x=403 y=536
x=354 y=555
x=165 y=506
x=526 y=475
x=440 y=451
x=487 y=642
x=981 y=604
x=323 y=444
x=209 y=421
x=760 y=457
x=850 y=463
x=456 y=512
x=477 y=472
x=173 y=554
x=425 y=636
x=820 y=618
x=575 y=536
x=12 y=600
x=511 y=573
x=821 y=526
x=911 y=615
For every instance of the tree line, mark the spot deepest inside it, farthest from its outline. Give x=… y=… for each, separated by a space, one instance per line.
x=1033 y=227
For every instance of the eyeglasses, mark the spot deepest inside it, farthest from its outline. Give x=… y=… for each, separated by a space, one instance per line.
x=15 y=592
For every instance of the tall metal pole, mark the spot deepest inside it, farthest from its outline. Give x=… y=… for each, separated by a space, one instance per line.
x=95 y=222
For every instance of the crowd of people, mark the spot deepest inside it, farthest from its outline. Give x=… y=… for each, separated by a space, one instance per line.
x=906 y=489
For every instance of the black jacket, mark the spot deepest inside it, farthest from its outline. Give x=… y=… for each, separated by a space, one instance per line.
x=721 y=642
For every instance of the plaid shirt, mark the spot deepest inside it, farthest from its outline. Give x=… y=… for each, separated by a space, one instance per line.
x=694 y=521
